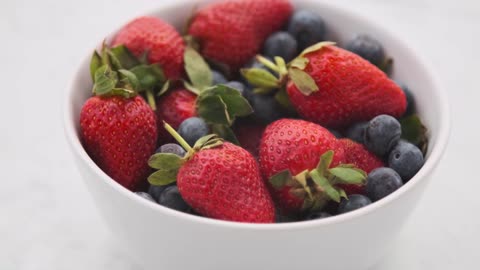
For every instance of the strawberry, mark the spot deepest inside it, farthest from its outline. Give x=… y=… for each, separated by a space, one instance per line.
x=232 y=32
x=217 y=179
x=296 y=158
x=119 y=134
x=117 y=127
x=174 y=107
x=249 y=135
x=158 y=39
x=346 y=88
x=358 y=155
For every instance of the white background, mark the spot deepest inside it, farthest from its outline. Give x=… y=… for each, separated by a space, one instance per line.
x=47 y=220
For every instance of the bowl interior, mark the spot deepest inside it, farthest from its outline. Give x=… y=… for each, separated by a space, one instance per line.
x=409 y=68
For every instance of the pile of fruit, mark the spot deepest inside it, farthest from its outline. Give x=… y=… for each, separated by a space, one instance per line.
x=250 y=115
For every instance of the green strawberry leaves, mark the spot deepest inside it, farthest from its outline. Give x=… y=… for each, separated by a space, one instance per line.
x=197 y=70
x=122 y=58
x=221 y=104
x=260 y=78
x=347 y=174
x=303 y=81
x=105 y=80
x=167 y=166
x=149 y=76
x=95 y=64
x=116 y=71
x=414 y=131
x=225 y=132
x=319 y=185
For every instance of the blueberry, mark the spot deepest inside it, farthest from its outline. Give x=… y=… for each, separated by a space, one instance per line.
x=237 y=86
x=307 y=28
x=368 y=48
x=172 y=148
x=171 y=198
x=356 y=132
x=335 y=133
x=406 y=159
x=218 y=78
x=354 y=202
x=281 y=44
x=382 y=133
x=317 y=215
x=192 y=129
x=410 y=99
x=266 y=108
x=382 y=182
x=145 y=195
x=155 y=191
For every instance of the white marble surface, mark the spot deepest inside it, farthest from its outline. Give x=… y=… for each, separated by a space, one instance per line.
x=47 y=219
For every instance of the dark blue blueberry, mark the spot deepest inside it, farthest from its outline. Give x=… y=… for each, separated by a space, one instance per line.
x=356 y=132
x=155 y=191
x=281 y=44
x=368 y=48
x=382 y=134
x=410 y=99
x=146 y=196
x=172 y=148
x=237 y=86
x=382 y=182
x=307 y=28
x=335 y=133
x=317 y=215
x=354 y=202
x=266 y=108
x=218 y=78
x=406 y=159
x=171 y=198
x=192 y=129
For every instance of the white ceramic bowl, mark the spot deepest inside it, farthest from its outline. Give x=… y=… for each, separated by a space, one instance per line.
x=161 y=238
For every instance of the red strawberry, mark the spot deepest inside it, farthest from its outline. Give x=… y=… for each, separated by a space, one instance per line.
x=119 y=134
x=117 y=127
x=295 y=157
x=350 y=89
x=249 y=135
x=159 y=39
x=217 y=179
x=282 y=138
x=174 y=107
x=358 y=155
x=232 y=32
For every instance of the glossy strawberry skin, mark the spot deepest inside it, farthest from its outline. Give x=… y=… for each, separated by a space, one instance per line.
x=232 y=32
x=162 y=42
x=295 y=145
x=358 y=155
x=225 y=183
x=119 y=134
x=350 y=90
x=174 y=107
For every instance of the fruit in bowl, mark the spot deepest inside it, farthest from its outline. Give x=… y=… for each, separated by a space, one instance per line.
x=258 y=115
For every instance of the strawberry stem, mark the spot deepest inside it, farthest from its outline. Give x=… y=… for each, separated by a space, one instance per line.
x=269 y=64
x=151 y=99
x=177 y=137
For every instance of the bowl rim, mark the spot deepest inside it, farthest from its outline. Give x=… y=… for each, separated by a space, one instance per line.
x=429 y=166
